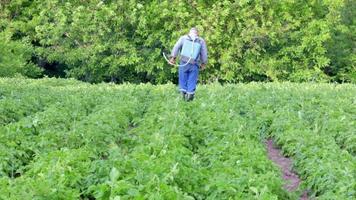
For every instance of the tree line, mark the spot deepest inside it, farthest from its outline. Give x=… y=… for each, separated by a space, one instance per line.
x=123 y=40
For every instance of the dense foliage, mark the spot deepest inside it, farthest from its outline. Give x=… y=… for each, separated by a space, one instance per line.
x=123 y=40
x=62 y=139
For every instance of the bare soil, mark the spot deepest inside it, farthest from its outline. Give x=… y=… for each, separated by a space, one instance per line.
x=292 y=181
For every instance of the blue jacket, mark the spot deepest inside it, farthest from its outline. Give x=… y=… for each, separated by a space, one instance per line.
x=203 y=56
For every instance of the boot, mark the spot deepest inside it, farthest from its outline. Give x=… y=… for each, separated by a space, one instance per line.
x=184 y=94
x=189 y=97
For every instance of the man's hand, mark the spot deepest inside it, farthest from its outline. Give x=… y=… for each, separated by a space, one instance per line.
x=202 y=66
x=172 y=60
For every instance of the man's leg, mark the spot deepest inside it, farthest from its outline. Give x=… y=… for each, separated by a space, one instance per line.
x=183 y=80
x=192 y=81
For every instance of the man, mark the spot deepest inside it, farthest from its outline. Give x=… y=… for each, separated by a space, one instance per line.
x=193 y=51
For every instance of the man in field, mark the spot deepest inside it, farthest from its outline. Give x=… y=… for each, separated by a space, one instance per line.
x=193 y=52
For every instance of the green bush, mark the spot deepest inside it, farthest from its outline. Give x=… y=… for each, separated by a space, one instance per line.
x=120 y=40
x=15 y=57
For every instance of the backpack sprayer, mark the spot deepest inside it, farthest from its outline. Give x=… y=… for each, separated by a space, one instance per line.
x=190 y=49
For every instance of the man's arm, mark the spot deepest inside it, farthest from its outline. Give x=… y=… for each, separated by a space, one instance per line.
x=177 y=47
x=203 y=54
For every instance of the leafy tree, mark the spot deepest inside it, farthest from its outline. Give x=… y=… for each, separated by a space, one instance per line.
x=15 y=57
x=118 y=40
x=341 y=47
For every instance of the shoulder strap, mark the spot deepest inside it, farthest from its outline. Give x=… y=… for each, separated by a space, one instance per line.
x=189 y=37
x=197 y=40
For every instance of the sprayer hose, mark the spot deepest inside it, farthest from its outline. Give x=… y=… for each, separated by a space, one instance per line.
x=190 y=58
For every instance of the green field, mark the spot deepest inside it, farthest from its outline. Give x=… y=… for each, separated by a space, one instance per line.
x=64 y=139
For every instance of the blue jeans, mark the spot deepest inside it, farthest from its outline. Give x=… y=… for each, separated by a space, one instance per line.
x=188 y=77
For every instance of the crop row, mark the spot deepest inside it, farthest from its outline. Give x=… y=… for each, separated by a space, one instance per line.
x=41 y=132
x=70 y=141
x=20 y=97
x=318 y=132
x=144 y=142
x=179 y=153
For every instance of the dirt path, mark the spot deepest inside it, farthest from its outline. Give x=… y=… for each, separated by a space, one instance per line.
x=292 y=181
